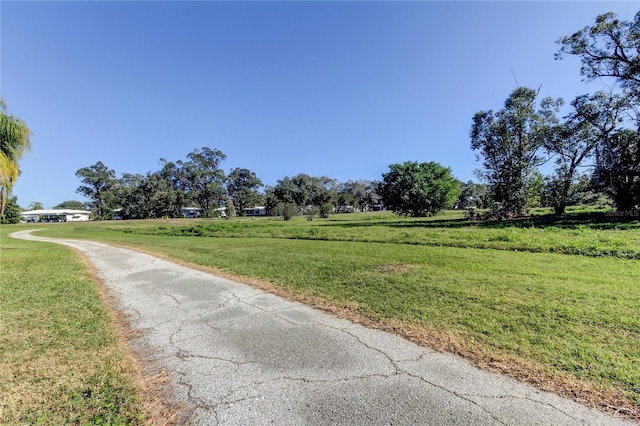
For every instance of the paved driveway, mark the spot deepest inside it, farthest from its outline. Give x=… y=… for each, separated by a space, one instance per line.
x=240 y=356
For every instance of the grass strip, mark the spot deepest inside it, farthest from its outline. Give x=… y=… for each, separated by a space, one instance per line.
x=62 y=359
x=541 y=235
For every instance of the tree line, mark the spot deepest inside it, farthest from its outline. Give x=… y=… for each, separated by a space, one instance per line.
x=410 y=188
x=200 y=181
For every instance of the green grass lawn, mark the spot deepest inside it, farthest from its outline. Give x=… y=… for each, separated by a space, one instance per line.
x=557 y=300
x=62 y=361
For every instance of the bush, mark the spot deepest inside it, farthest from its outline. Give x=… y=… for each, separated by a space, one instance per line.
x=11 y=212
x=288 y=210
x=326 y=210
x=310 y=212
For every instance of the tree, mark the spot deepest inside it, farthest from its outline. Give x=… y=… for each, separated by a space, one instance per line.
x=617 y=170
x=203 y=180
x=243 y=188
x=302 y=191
x=571 y=143
x=99 y=183
x=164 y=199
x=419 y=189
x=130 y=197
x=610 y=49
x=509 y=142
x=12 y=211
x=14 y=141
x=71 y=205
x=36 y=205
x=473 y=195
x=357 y=193
x=607 y=49
x=608 y=120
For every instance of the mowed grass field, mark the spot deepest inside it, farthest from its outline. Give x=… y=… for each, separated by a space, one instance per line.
x=553 y=303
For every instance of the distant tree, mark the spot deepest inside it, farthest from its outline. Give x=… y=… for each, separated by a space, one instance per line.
x=509 y=143
x=243 y=187
x=473 y=195
x=98 y=186
x=301 y=190
x=163 y=198
x=203 y=179
x=14 y=141
x=174 y=195
x=36 y=205
x=419 y=189
x=358 y=193
x=131 y=198
x=71 y=205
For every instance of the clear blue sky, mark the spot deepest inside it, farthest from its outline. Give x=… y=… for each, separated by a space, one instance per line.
x=341 y=89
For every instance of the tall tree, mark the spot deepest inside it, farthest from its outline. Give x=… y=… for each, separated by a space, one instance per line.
x=98 y=185
x=509 y=143
x=203 y=179
x=130 y=196
x=419 y=189
x=243 y=188
x=358 y=193
x=15 y=139
x=164 y=199
x=609 y=48
x=571 y=143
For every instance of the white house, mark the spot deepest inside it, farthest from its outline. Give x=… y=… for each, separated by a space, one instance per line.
x=255 y=211
x=57 y=215
x=190 y=212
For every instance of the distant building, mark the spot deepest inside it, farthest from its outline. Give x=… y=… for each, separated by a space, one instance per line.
x=191 y=212
x=255 y=211
x=56 y=215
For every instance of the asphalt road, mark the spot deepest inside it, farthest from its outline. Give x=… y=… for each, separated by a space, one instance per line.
x=239 y=356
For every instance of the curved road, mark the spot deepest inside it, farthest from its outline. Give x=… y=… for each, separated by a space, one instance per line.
x=239 y=356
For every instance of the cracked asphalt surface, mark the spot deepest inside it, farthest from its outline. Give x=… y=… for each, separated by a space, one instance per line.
x=237 y=355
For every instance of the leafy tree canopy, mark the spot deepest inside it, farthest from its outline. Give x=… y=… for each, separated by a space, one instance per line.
x=14 y=141
x=509 y=143
x=98 y=184
x=419 y=189
x=609 y=48
x=71 y=205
